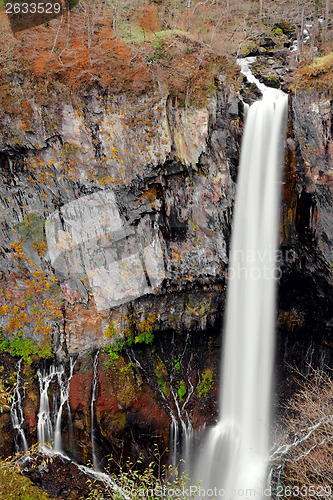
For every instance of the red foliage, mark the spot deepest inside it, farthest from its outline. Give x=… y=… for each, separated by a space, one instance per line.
x=148 y=18
x=81 y=50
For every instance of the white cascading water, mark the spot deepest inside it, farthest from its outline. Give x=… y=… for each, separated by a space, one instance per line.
x=16 y=413
x=64 y=385
x=44 y=424
x=92 y=410
x=174 y=436
x=45 y=432
x=236 y=451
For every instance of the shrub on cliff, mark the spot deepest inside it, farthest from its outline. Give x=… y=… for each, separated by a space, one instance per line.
x=307 y=450
x=5 y=396
x=317 y=75
x=155 y=481
x=25 y=348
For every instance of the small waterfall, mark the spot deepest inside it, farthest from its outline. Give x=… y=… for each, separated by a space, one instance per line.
x=92 y=410
x=235 y=455
x=174 y=436
x=16 y=413
x=187 y=442
x=48 y=433
x=64 y=385
x=44 y=424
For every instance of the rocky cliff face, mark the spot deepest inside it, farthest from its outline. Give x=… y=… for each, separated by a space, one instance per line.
x=166 y=174
x=167 y=171
x=305 y=288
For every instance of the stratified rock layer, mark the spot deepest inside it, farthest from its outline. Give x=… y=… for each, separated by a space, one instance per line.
x=172 y=172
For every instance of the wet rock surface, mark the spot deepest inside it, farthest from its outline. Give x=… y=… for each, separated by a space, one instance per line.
x=59 y=477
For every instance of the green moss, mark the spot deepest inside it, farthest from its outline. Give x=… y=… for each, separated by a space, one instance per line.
x=14 y=485
x=248 y=47
x=25 y=348
x=317 y=75
x=110 y=330
x=114 y=349
x=162 y=377
x=182 y=390
x=320 y=65
x=177 y=363
x=206 y=384
x=144 y=335
x=119 y=345
x=144 y=338
x=120 y=373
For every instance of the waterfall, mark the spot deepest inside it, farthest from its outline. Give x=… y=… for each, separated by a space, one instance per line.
x=174 y=434
x=46 y=432
x=44 y=424
x=16 y=413
x=92 y=410
x=236 y=451
x=64 y=384
x=187 y=442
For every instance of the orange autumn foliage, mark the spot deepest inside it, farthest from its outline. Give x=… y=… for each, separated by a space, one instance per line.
x=79 y=53
x=72 y=55
x=148 y=18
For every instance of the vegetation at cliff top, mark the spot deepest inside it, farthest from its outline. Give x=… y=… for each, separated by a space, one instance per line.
x=316 y=75
x=178 y=47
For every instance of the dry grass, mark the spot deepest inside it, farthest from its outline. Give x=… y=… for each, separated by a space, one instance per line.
x=317 y=75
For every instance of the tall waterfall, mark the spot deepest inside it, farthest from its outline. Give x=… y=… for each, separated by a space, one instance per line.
x=235 y=454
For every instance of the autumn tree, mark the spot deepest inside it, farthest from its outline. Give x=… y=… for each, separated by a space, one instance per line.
x=148 y=18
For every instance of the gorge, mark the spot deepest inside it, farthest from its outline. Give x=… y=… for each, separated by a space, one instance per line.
x=95 y=370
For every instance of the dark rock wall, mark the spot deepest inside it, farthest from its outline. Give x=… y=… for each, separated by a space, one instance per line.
x=174 y=169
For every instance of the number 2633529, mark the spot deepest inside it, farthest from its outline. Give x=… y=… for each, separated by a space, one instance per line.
x=33 y=8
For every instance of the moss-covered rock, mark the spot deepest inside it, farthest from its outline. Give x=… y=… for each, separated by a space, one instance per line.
x=14 y=486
